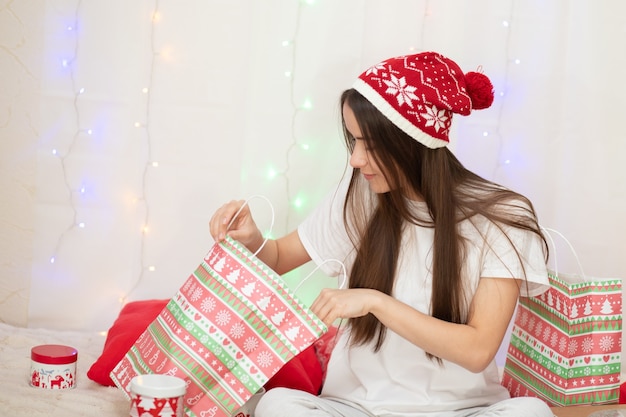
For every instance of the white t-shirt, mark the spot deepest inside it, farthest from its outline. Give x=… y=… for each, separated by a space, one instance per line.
x=399 y=379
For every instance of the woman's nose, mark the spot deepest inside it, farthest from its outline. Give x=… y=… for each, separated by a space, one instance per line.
x=358 y=158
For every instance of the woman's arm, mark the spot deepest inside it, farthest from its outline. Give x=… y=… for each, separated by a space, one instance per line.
x=284 y=254
x=472 y=345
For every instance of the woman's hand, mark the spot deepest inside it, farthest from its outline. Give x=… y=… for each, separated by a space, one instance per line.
x=242 y=229
x=334 y=304
x=282 y=255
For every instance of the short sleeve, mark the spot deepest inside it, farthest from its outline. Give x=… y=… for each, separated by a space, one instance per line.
x=323 y=233
x=510 y=252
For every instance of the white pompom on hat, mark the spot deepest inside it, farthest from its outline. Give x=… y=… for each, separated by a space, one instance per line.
x=419 y=93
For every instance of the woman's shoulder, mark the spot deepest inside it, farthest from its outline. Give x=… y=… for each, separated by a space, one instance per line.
x=496 y=200
x=497 y=208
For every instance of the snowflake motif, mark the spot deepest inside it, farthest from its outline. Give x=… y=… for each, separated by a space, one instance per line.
x=531 y=325
x=189 y=326
x=237 y=331
x=606 y=369
x=204 y=339
x=524 y=319
x=264 y=359
x=404 y=93
x=573 y=346
x=375 y=68
x=208 y=304
x=587 y=371
x=250 y=344
x=197 y=293
x=554 y=339
x=186 y=286
x=606 y=343
x=562 y=344
x=231 y=364
x=570 y=373
x=436 y=118
x=245 y=379
x=546 y=333
x=222 y=318
x=538 y=328
x=587 y=345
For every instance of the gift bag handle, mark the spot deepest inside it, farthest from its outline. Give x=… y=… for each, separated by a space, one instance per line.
x=245 y=203
x=556 y=265
x=343 y=269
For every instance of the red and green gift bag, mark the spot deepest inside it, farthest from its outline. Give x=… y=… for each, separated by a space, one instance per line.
x=231 y=326
x=566 y=345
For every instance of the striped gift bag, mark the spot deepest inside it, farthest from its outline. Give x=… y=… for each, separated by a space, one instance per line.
x=226 y=332
x=566 y=343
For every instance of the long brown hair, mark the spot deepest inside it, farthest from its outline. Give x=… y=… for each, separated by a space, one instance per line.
x=452 y=194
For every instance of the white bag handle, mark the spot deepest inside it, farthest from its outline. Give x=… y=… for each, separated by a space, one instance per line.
x=556 y=265
x=343 y=267
x=245 y=203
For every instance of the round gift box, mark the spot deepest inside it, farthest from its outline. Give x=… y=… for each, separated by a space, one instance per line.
x=53 y=366
x=157 y=395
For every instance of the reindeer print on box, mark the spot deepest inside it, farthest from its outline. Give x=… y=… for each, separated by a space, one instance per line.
x=53 y=367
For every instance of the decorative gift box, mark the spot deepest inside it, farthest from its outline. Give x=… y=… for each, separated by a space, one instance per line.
x=53 y=366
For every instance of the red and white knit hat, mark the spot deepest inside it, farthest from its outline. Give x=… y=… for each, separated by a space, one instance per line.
x=419 y=93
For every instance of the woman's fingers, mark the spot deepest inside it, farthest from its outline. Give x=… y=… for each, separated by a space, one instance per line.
x=333 y=304
x=222 y=218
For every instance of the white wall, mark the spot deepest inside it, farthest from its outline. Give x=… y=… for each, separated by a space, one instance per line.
x=224 y=121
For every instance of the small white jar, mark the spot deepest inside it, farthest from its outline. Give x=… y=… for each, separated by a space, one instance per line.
x=157 y=395
x=53 y=366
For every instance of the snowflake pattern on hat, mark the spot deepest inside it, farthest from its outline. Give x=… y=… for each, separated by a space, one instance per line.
x=404 y=93
x=419 y=93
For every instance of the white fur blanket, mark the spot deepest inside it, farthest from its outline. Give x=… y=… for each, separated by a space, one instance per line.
x=18 y=398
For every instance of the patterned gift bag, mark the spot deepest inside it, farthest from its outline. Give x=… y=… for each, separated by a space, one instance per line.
x=230 y=327
x=565 y=344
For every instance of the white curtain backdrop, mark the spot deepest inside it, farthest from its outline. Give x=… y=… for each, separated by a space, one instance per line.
x=125 y=124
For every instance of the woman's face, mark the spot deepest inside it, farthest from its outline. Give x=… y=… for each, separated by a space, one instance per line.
x=361 y=157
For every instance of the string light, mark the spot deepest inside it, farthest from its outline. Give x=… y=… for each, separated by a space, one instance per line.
x=307 y=104
x=162 y=54
x=66 y=63
x=298 y=202
x=506 y=24
x=271 y=173
x=296 y=109
x=426 y=14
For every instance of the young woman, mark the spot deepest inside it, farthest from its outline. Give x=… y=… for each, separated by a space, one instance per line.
x=436 y=256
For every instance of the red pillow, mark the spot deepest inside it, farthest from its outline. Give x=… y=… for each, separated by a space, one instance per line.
x=304 y=372
x=134 y=318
